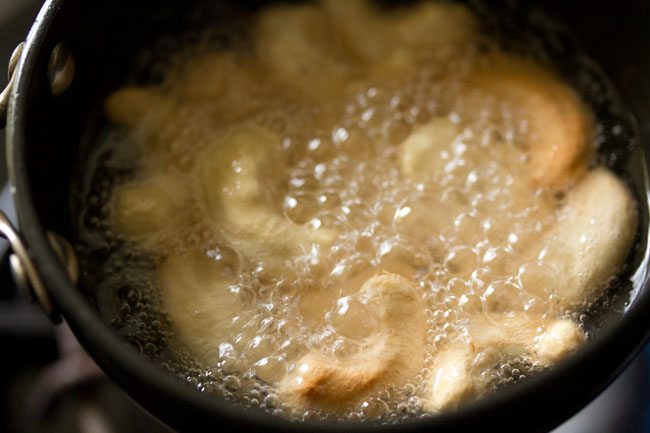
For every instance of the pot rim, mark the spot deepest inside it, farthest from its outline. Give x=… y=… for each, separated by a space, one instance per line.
x=621 y=341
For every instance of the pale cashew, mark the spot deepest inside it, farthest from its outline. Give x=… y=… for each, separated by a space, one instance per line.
x=432 y=151
x=560 y=126
x=360 y=24
x=133 y=106
x=206 y=77
x=391 y=357
x=592 y=239
x=147 y=113
x=424 y=155
x=226 y=85
x=585 y=249
x=298 y=43
x=236 y=178
x=205 y=312
x=456 y=378
x=146 y=211
x=391 y=43
x=376 y=35
x=434 y=23
x=158 y=123
x=428 y=149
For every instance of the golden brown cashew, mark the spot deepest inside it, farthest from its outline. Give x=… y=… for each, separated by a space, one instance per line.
x=237 y=175
x=559 y=124
x=456 y=378
x=393 y=356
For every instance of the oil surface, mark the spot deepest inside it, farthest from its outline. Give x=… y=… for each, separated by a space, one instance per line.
x=341 y=178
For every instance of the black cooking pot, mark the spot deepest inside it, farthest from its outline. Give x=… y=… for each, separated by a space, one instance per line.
x=52 y=106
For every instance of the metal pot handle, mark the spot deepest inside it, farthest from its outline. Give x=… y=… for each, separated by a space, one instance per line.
x=24 y=271
x=60 y=74
x=4 y=96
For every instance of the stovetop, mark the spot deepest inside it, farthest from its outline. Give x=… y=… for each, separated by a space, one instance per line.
x=49 y=385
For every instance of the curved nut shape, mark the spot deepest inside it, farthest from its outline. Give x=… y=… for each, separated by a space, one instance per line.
x=237 y=198
x=393 y=356
x=303 y=52
x=434 y=23
x=195 y=291
x=133 y=106
x=439 y=147
x=318 y=48
x=144 y=211
x=456 y=378
x=560 y=126
x=592 y=239
x=376 y=36
x=156 y=122
x=586 y=247
x=421 y=155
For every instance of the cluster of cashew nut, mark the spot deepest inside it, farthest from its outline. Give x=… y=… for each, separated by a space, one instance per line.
x=229 y=189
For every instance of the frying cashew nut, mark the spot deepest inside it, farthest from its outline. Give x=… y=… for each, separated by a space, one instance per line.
x=302 y=51
x=195 y=291
x=235 y=194
x=317 y=51
x=586 y=249
x=146 y=211
x=393 y=356
x=432 y=150
x=318 y=48
x=455 y=376
x=592 y=239
x=560 y=126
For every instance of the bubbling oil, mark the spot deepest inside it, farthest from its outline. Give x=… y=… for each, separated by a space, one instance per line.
x=345 y=176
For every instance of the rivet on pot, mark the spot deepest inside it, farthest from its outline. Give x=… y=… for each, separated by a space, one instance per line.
x=60 y=69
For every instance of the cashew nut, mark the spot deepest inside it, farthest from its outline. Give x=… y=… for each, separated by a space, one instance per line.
x=437 y=148
x=434 y=23
x=195 y=291
x=298 y=43
x=592 y=239
x=158 y=123
x=456 y=378
x=145 y=211
x=391 y=43
x=237 y=176
x=317 y=51
x=559 y=124
x=393 y=356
